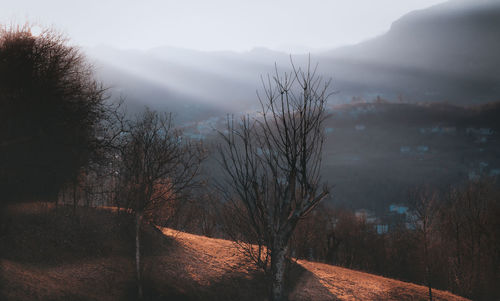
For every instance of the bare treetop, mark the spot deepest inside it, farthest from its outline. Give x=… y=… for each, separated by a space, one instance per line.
x=273 y=163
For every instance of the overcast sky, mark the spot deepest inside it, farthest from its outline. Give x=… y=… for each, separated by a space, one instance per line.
x=287 y=25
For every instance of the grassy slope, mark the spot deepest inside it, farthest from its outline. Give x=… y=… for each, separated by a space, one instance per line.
x=45 y=257
x=209 y=260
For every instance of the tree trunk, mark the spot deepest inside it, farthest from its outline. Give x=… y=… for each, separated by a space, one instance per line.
x=429 y=283
x=430 y=291
x=427 y=266
x=138 y=219
x=278 y=265
x=57 y=200
x=74 y=196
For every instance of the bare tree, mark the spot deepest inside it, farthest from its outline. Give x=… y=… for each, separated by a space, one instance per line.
x=424 y=213
x=470 y=226
x=272 y=163
x=157 y=166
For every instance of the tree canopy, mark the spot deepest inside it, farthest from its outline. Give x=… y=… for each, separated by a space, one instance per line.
x=50 y=106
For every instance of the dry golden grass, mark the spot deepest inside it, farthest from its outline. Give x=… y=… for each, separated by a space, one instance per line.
x=210 y=259
x=348 y=284
x=177 y=266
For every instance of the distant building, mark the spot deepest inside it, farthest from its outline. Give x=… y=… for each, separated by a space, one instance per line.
x=473 y=175
x=382 y=228
x=495 y=172
x=480 y=131
x=422 y=148
x=448 y=130
x=486 y=131
x=360 y=127
x=482 y=140
x=400 y=209
x=367 y=215
x=483 y=165
x=410 y=226
x=439 y=130
x=405 y=149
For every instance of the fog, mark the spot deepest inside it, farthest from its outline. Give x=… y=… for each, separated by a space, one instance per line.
x=444 y=53
x=448 y=52
x=395 y=82
x=199 y=56
x=290 y=26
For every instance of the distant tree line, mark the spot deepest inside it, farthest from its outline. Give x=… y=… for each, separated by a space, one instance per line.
x=452 y=242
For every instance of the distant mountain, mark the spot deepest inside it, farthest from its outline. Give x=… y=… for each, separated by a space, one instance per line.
x=194 y=84
x=448 y=52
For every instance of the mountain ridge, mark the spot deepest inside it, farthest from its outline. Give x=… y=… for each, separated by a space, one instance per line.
x=447 y=52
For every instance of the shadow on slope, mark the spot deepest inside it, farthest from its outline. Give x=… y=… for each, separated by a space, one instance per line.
x=214 y=269
x=61 y=254
x=89 y=255
x=50 y=236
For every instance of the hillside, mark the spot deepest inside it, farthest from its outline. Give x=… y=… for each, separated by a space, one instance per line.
x=52 y=256
x=311 y=280
x=457 y=37
x=413 y=144
x=447 y=52
x=438 y=145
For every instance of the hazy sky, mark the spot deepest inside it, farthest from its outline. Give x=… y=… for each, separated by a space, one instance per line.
x=288 y=25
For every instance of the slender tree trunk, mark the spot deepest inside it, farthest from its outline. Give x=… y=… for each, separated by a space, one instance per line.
x=63 y=199
x=74 y=196
x=458 y=280
x=138 y=219
x=427 y=266
x=429 y=285
x=278 y=265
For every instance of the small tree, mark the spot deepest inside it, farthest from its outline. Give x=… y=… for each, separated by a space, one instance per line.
x=424 y=213
x=272 y=163
x=157 y=166
x=470 y=230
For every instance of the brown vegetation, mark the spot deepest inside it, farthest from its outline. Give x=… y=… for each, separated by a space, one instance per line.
x=50 y=111
x=447 y=240
x=177 y=265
